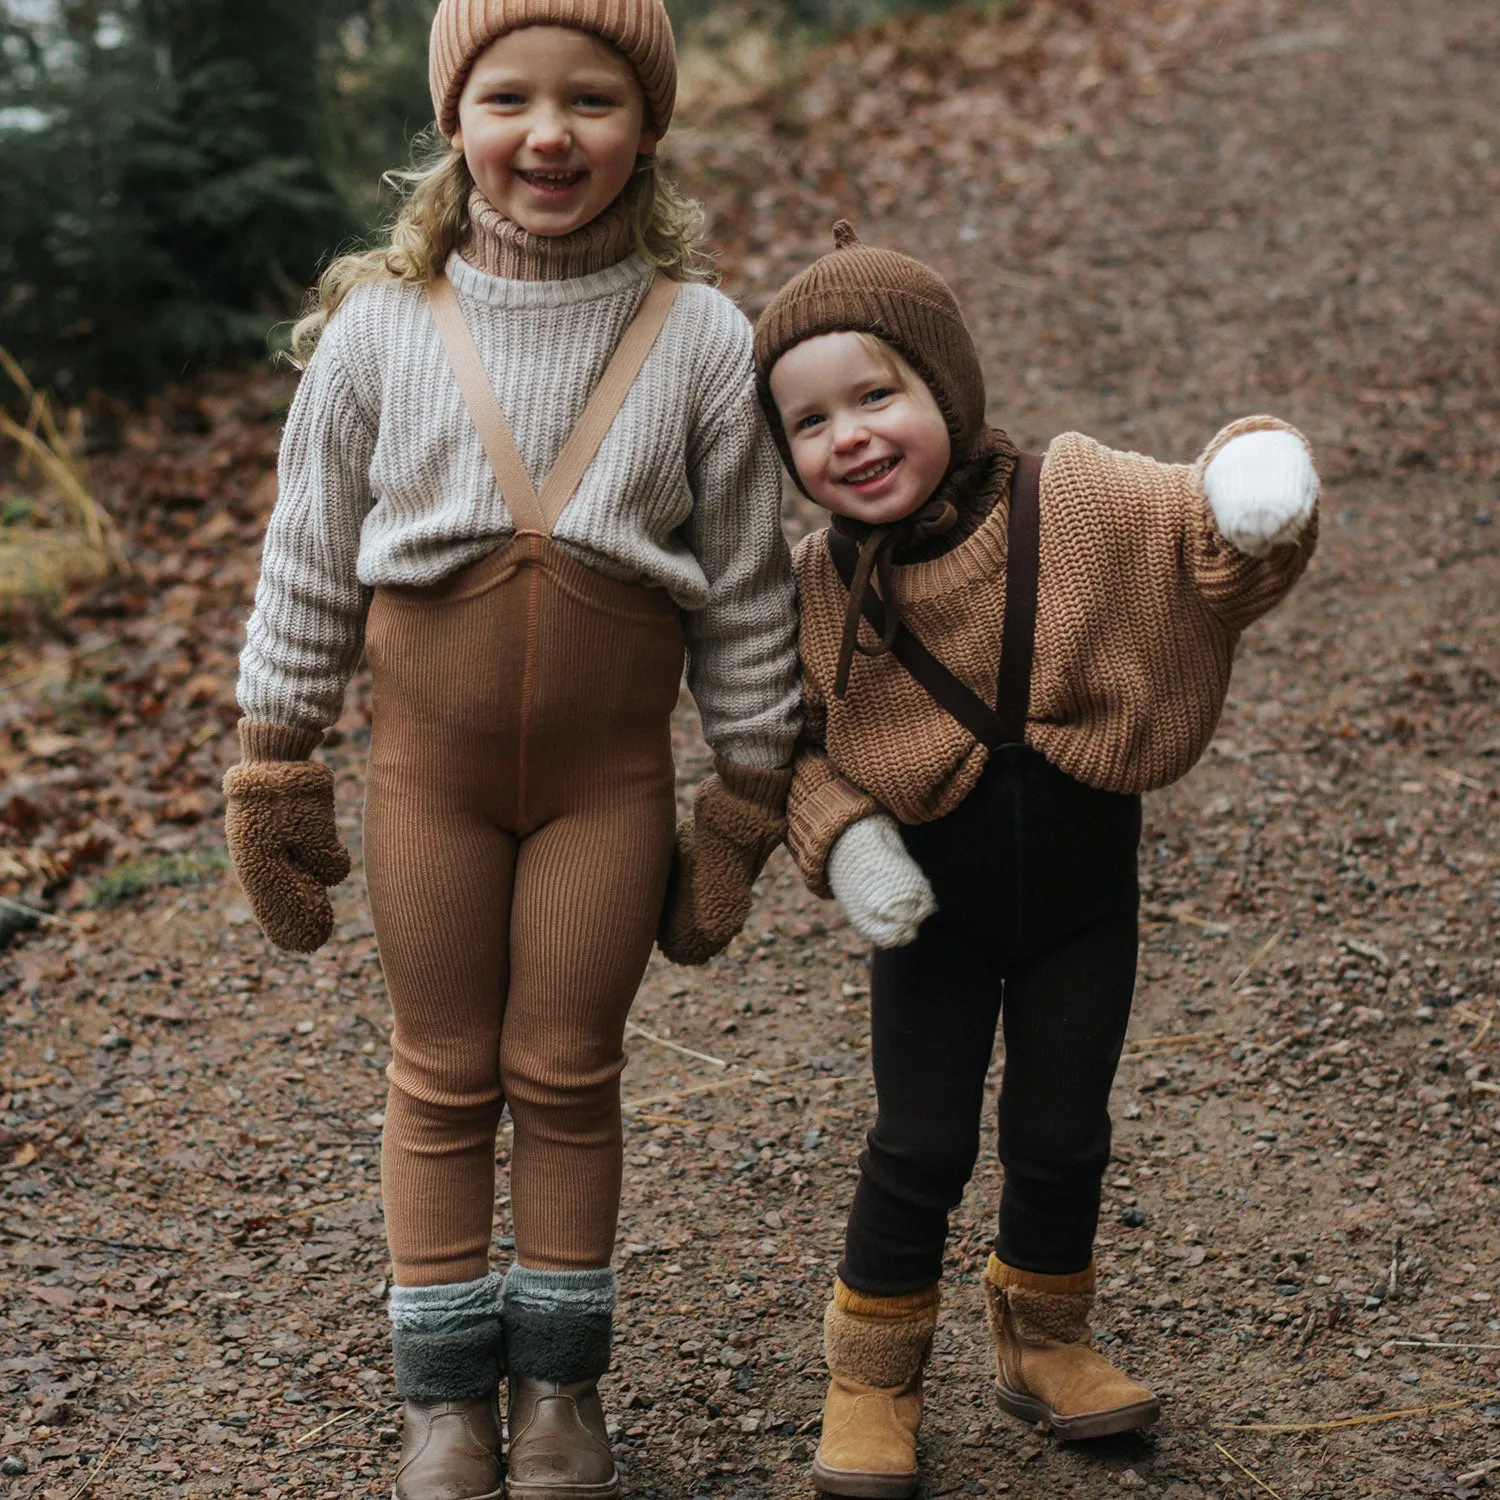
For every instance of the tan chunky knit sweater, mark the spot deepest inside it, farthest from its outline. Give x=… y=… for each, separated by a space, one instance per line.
x=1141 y=603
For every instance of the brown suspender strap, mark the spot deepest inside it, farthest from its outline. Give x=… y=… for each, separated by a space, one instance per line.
x=1023 y=546
x=1005 y=724
x=530 y=511
x=479 y=397
x=607 y=398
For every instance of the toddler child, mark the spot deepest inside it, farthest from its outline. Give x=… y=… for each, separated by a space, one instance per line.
x=1043 y=641
x=526 y=469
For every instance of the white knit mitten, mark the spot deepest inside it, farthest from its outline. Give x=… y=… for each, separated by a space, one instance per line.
x=1262 y=488
x=881 y=887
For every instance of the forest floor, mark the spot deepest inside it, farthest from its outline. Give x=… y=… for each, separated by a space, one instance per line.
x=1158 y=218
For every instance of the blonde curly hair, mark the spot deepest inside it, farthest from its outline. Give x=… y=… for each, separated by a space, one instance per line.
x=666 y=227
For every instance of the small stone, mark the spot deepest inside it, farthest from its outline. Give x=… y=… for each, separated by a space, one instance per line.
x=12 y=1464
x=1128 y=1479
x=732 y=1359
x=390 y=1435
x=1133 y=1218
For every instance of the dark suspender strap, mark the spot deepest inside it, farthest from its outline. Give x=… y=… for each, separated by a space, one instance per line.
x=950 y=694
x=940 y=684
x=1023 y=545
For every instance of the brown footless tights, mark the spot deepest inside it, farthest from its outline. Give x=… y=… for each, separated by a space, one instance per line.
x=518 y=827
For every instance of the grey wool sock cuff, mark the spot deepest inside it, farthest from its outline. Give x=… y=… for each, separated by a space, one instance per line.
x=558 y=1324
x=447 y=1339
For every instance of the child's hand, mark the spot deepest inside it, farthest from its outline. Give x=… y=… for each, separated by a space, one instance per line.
x=881 y=887
x=285 y=846
x=738 y=818
x=1262 y=488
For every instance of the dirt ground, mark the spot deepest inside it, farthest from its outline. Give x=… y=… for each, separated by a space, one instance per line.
x=1287 y=206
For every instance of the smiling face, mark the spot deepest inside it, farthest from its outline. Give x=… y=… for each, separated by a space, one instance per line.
x=866 y=437
x=551 y=121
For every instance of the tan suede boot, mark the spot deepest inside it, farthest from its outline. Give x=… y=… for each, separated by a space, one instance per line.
x=1045 y=1367
x=450 y=1451
x=876 y=1348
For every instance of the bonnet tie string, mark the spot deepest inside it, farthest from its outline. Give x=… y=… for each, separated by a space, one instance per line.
x=937 y=517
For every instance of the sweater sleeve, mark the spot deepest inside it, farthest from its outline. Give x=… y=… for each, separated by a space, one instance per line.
x=822 y=804
x=1239 y=588
x=306 y=632
x=742 y=645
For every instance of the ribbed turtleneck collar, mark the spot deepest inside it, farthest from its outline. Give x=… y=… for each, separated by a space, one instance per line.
x=500 y=247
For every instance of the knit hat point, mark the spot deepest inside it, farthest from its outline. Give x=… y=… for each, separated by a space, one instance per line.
x=844 y=235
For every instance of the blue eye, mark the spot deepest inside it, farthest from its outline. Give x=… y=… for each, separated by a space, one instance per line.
x=808 y=422
x=880 y=393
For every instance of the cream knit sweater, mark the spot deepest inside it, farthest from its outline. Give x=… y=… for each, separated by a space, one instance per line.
x=383 y=481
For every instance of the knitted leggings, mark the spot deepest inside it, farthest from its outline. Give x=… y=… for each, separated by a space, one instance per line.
x=518 y=828
x=1036 y=885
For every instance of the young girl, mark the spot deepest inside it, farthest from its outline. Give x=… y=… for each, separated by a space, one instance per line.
x=1044 y=641
x=524 y=470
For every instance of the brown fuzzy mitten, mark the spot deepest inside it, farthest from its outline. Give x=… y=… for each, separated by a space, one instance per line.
x=739 y=817
x=285 y=846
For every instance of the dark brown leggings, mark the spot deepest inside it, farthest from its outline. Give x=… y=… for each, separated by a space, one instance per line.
x=518 y=828
x=1037 y=890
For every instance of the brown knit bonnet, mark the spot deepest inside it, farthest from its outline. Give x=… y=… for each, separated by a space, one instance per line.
x=859 y=288
x=462 y=29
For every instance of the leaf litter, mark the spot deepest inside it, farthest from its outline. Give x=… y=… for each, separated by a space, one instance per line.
x=1158 y=215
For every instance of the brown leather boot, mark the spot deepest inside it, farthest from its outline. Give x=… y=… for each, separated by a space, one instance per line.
x=450 y=1451
x=876 y=1349
x=1045 y=1366
x=559 y=1449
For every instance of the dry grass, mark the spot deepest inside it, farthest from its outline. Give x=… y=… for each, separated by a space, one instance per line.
x=53 y=532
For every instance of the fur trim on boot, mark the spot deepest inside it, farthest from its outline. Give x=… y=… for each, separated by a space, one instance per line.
x=876 y=1349
x=559 y=1324
x=447 y=1344
x=558 y=1327
x=1046 y=1368
x=446 y=1340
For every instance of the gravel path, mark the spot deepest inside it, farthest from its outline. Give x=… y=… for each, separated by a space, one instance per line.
x=1298 y=215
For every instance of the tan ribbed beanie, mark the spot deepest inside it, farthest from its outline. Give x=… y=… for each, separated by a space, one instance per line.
x=462 y=29
x=859 y=288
